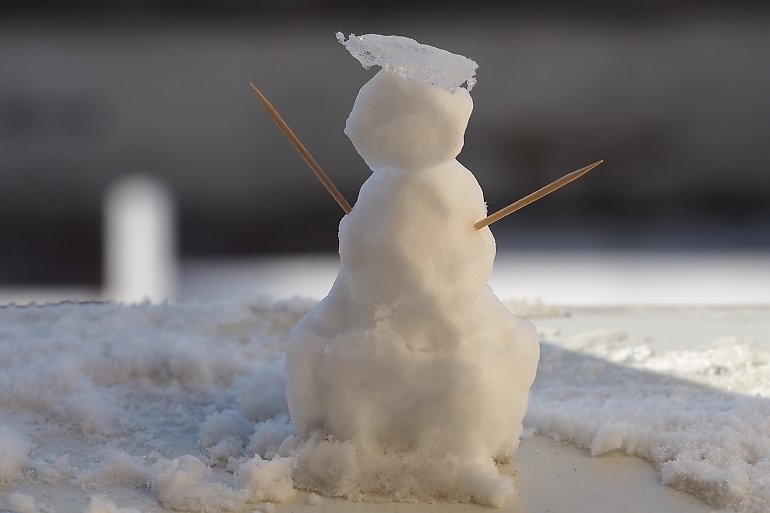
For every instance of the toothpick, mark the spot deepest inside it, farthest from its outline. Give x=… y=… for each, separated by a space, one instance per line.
x=294 y=140
x=545 y=191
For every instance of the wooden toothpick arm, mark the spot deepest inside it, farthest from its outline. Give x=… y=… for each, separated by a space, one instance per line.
x=294 y=140
x=540 y=193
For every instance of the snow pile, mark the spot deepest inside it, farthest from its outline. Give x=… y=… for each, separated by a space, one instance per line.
x=412 y=60
x=410 y=379
x=602 y=389
x=110 y=396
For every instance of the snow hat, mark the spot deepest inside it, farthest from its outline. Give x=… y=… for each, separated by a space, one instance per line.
x=410 y=59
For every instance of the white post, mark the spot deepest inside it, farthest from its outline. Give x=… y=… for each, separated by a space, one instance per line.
x=140 y=242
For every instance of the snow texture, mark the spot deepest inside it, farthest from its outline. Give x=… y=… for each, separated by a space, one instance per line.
x=14 y=451
x=409 y=126
x=699 y=414
x=412 y=60
x=410 y=379
x=101 y=505
x=20 y=503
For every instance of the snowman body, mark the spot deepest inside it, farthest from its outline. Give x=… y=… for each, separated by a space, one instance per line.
x=411 y=351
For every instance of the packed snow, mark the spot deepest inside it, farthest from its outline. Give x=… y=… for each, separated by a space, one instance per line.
x=411 y=375
x=186 y=402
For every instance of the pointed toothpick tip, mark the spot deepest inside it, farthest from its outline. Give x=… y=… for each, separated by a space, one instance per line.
x=254 y=88
x=538 y=194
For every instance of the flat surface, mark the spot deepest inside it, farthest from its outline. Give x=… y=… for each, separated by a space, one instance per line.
x=552 y=478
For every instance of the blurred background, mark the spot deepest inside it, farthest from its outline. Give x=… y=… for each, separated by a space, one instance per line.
x=135 y=161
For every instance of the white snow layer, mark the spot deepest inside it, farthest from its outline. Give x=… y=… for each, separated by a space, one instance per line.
x=98 y=396
x=410 y=59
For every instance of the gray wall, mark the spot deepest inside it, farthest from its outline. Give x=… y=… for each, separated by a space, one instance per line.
x=678 y=107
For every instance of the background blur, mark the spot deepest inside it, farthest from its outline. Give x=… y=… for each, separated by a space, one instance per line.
x=134 y=159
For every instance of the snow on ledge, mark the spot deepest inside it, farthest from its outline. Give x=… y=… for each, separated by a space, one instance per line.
x=169 y=397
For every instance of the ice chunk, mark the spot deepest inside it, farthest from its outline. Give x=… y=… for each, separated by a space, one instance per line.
x=411 y=59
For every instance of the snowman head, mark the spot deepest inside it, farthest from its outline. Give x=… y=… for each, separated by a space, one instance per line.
x=407 y=124
x=412 y=115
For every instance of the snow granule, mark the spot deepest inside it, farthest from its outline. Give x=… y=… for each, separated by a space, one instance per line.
x=100 y=504
x=184 y=484
x=20 y=503
x=266 y=480
x=118 y=468
x=269 y=436
x=222 y=425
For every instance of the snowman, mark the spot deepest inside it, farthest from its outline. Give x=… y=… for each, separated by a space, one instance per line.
x=411 y=352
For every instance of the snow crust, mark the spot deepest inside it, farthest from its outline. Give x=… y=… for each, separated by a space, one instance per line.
x=412 y=60
x=697 y=410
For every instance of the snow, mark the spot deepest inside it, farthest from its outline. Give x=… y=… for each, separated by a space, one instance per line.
x=687 y=389
x=407 y=125
x=410 y=379
x=117 y=468
x=185 y=484
x=267 y=480
x=712 y=442
x=14 y=451
x=20 y=503
x=412 y=60
x=101 y=505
